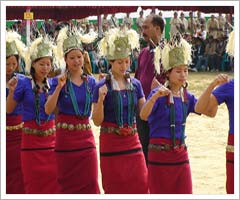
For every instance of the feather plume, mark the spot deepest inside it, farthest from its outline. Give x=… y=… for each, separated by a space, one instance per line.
x=58 y=51
x=107 y=46
x=157 y=57
x=165 y=56
x=187 y=51
x=32 y=50
x=88 y=38
x=12 y=36
x=133 y=39
x=230 y=44
x=62 y=35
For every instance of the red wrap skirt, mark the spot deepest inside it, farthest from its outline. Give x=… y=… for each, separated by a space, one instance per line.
x=14 y=175
x=230 y=166
x=122 y=163
x=39 y=160
x=76 y=157
x=168 y=171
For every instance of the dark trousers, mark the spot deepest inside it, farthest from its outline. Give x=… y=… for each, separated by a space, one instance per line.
x=143 y=132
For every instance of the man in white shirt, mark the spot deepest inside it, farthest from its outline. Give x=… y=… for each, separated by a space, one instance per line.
x=174 y=25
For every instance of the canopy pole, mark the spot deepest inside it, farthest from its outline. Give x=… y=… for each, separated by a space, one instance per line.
x=100 y=31
x=28 y=28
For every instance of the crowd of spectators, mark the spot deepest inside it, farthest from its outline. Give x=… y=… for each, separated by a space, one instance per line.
x=208 y=37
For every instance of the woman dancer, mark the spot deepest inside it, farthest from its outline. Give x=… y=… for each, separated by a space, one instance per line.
x=38 y=138
x=117 y=98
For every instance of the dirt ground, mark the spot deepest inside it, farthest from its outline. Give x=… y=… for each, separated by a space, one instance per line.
x=206 y=141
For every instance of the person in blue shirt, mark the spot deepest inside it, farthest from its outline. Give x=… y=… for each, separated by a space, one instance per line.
x=221 y=90
x=14 y=124
x=166 y=110
x=38 y=137
x=71 y=93
x=116 y=100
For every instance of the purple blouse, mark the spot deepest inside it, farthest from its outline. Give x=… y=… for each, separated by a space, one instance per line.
x=64 y=103
x=225 y=94
x=24 y=94
x=145 y=70
x=109 y=105
x=159 y=119
x=18 y=109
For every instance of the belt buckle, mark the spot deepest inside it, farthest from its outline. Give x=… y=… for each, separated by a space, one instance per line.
x=179 y=148
x=166 y=147
x=125 y=131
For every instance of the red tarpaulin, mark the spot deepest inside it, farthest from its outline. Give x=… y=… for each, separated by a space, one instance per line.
x=204 y=9
x=65 y=12
x=78 y=12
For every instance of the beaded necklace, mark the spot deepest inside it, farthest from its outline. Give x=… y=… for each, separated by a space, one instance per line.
x=170 y=102
x=69 y=89
x=118 y=101
x=36 y=90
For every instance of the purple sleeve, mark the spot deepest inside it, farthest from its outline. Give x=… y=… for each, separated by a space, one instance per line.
x=222 y=92
x=192 y=100
x=150 y=95
x=95 y=92
x=137 y=84
x=53 y=85
x=93 y=82
x=19 y=91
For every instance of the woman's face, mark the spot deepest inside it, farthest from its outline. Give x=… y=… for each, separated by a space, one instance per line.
x=178 y=76
x=11 y=65
x=74 y=60
x=120 y=66
x=42 y=67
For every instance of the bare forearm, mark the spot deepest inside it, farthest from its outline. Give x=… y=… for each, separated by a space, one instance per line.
x=98 y=113
x=147 y=108
x=204 y=100
x=51 y=103
x=11 y=103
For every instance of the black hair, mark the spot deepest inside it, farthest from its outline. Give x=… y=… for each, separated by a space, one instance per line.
x=17 y=56
x=46 y=86
x=158 y=21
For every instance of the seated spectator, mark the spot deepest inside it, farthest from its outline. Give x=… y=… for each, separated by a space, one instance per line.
x=210 y=50
x=201 y=62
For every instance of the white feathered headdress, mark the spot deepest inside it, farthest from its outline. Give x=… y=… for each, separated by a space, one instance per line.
x=118 y=44
x=230 y=44
x=176 y=52
x=68 y=40
x=39 y=48
x=14 y=45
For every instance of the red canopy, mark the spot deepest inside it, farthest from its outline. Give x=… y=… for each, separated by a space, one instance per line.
x=78 y=12
x=204 y=9
x=65 y=12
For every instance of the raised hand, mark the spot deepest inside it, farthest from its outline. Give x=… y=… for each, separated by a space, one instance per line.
x=101 y=76
x=163 y=91
x=12 y=83
x=220 y=79
x=155 y=83
x=103 y=92
x=62 y=80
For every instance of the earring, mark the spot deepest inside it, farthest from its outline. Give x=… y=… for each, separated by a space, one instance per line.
x=127 y=75
x=83 y=76
x=186 y=85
